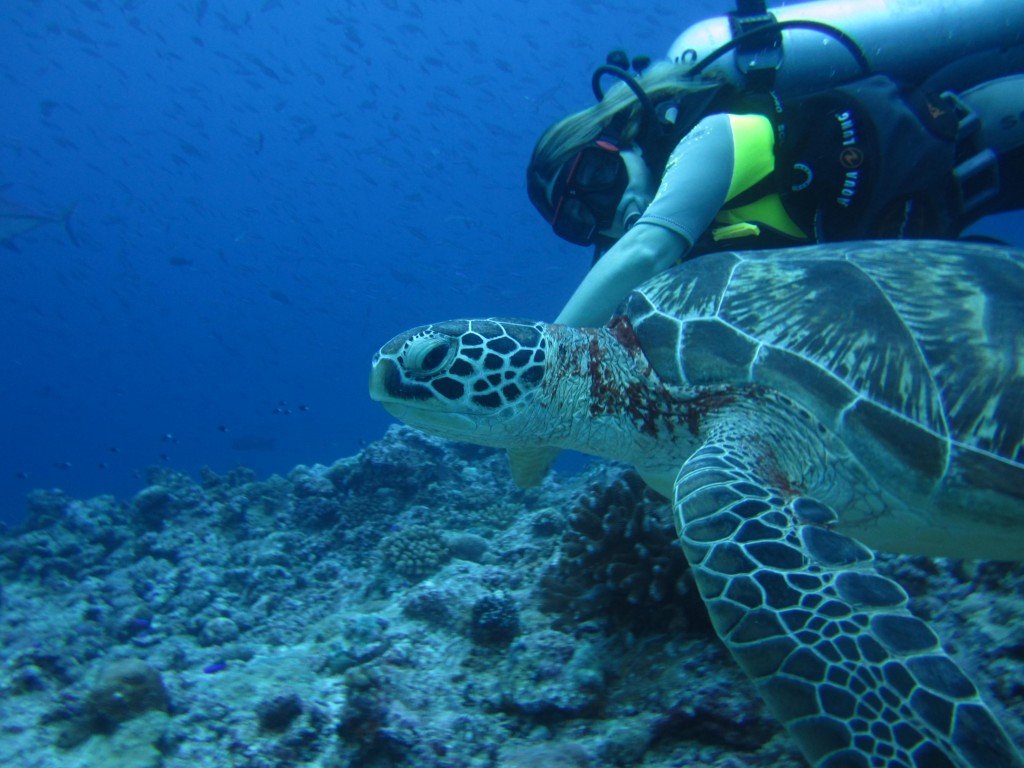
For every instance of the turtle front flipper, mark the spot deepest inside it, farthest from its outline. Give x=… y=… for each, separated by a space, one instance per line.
x=530 y=465
x=828 y=641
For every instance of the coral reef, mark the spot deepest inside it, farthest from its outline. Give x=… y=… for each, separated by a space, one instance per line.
x=406 y=606
x=414 y=552
x=495 y=620
x=124 y=689
x=620 y=561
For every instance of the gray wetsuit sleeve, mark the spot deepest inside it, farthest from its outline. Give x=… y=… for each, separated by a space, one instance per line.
x=696 y=180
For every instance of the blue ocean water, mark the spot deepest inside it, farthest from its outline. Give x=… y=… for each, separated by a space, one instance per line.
x=263 y=193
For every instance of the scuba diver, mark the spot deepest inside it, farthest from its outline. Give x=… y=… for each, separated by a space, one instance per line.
x=687 y=156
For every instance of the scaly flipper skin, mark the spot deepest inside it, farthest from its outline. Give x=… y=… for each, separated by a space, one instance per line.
x=855 y=677
x=529 y=466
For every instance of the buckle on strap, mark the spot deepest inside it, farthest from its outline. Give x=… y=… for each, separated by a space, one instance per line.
x=977 y=179
x=759 y=55
x=731 y=231
x=977 y=172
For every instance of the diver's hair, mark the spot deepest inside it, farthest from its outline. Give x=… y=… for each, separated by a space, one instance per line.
x=566 y=137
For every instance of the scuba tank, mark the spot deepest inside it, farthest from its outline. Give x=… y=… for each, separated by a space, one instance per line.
x=803 y=47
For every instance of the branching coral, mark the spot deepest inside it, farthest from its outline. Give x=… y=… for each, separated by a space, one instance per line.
x=619 y=560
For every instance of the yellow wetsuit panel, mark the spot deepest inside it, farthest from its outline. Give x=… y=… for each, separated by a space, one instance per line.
x=720 y=158
x=768 y=210
x=753 y=147
x=753 y=159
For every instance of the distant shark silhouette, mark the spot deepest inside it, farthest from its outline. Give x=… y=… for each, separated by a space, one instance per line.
x=16 y=220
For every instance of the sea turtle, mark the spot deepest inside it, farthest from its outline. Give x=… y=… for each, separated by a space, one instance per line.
x=799 y=406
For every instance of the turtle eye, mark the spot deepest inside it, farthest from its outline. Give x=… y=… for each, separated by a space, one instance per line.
x=433 y=360
x=429 y=355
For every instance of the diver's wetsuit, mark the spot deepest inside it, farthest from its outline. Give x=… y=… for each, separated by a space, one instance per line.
x=864 y=160
x=723 y=156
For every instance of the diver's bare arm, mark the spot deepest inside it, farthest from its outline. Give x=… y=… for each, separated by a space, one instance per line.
x=640 y=254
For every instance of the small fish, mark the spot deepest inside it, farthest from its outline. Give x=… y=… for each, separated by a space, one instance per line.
x=16 y=220
x=217 y=666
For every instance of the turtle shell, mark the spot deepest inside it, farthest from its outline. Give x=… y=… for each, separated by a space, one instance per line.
x=911 y=351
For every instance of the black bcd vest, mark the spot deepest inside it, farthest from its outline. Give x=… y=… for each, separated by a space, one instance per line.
x=868 y=159
x=865 y=159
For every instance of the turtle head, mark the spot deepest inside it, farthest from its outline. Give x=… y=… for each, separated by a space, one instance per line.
x=463 y=379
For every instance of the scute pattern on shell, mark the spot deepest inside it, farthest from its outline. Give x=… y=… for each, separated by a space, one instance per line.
x=907 y=359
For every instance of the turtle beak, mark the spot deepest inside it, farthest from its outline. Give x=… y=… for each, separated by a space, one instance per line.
x=383 y=372
x=413 y=404
x=379 y=373
x=388 y=386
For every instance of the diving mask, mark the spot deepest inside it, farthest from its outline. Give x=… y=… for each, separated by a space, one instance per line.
x=587 y=192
